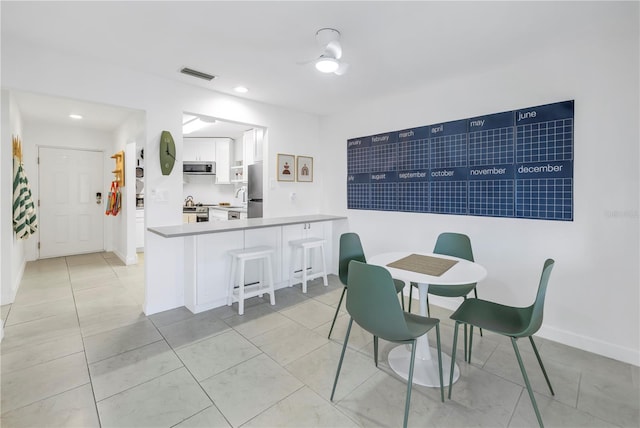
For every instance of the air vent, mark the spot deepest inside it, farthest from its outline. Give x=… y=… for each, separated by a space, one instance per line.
x=198 y=74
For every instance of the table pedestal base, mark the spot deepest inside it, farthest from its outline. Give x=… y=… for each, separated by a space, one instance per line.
x=425 y=371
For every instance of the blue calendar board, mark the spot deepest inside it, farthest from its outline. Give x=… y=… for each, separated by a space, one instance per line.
x=511 y=164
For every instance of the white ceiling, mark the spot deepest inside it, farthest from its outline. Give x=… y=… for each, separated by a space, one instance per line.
x=391 y=46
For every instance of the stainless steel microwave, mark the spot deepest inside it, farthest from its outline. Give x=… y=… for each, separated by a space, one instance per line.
x=199 y=167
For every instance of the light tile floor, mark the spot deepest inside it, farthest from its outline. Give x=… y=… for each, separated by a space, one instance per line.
x=79 y=352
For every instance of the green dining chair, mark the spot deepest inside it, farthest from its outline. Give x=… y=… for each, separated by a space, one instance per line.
x=456 y=245
x=373 y=305
x=351 y=249
x=507 y=321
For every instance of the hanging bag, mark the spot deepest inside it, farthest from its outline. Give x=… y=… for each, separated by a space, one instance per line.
x=115 y=200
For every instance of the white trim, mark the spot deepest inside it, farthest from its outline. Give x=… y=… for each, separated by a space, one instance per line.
x=9 y=296
x=609 y=350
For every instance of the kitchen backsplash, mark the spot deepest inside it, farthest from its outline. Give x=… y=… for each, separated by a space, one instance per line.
x=204 y=191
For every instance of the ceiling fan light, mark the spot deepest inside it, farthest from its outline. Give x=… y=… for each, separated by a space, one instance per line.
x=327 y=65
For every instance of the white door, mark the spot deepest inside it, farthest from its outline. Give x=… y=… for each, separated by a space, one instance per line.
x=70 y=220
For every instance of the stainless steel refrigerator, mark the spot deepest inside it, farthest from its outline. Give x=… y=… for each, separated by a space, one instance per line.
x=254 y=190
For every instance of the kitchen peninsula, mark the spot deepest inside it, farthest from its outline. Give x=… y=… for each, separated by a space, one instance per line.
x=206 y=246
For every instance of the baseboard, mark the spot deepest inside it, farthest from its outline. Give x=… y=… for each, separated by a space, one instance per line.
x=8 y=296
x=589 y=344
x=126 y=260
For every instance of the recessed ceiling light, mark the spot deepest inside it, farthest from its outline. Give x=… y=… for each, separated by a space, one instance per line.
x=75 y=116
x=241 y=89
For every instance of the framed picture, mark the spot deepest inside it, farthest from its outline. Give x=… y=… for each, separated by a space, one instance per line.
x=286 y=166
x=304 y=168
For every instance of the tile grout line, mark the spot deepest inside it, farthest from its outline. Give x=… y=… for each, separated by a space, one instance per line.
x=84 y=349
x=213 y=403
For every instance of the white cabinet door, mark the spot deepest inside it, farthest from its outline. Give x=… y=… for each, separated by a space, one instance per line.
x=199 y=149
x=216 y=214
x=189 y=218
x=248 y=148
x=258 y=146
x=212 y=269
x=223 y=160
x=299 y=231
x=271 y=237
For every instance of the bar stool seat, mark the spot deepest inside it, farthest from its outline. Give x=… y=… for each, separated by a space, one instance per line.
x=240 y=257
x=306 y=246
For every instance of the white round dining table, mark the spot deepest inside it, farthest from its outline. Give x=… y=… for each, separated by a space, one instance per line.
x=425 y=371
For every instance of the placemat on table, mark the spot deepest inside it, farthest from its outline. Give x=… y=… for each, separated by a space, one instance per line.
x=428 y=265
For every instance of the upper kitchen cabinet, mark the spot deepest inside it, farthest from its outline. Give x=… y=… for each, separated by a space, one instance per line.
x=218 y=150
x=224 y=153
x=199 y=149
x=252 y=147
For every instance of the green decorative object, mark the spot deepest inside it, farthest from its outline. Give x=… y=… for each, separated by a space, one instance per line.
x=167 y=153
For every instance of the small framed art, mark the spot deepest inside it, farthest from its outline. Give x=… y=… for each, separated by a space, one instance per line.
x=286 y=165
x=304 y=168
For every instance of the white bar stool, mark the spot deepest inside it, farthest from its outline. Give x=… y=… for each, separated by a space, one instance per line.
x=305 y=246
x=242 y=256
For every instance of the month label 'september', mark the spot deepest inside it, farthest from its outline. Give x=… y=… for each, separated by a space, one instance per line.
x=510 y=164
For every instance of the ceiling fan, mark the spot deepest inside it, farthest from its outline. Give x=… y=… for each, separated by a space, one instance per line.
x=329 y=61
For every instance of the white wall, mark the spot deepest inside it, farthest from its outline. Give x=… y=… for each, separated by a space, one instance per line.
x=593 y=298
x=12 y=262
x=126 y=138
x=163 y=102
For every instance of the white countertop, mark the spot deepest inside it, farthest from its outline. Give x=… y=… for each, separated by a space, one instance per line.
x=191 y=229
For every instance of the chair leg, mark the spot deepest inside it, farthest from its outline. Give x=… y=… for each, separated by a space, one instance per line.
x=409 y=383
x=375 y=350
x=475 y=293
x=344 y=348
x=465 y=344
x=544 y=372
x=344 y=289
x=526 y=381
x=470 y=342
x=453 y=356
x=428 y=308
x=402 y=299
x=440 y=362
x=467 y=357
x=410 y=295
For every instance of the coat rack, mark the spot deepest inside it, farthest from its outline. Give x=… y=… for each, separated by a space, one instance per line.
x=119 y=171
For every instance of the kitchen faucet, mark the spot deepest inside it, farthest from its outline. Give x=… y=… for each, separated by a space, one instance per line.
x=242 y=189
